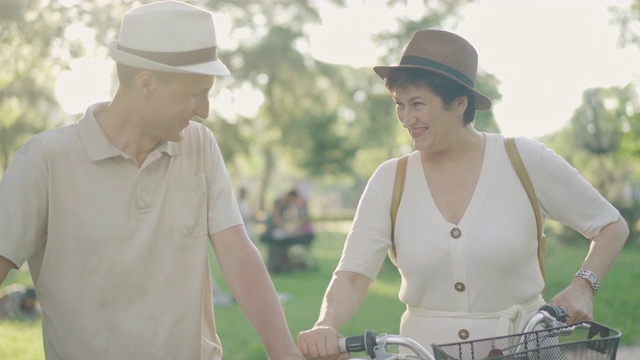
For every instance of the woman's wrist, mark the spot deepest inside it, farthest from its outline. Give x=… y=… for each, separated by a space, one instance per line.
x=582 y=285
x=590 y=278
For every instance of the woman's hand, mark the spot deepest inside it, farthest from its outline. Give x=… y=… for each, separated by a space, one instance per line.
x=577 y=300
x=320 y=343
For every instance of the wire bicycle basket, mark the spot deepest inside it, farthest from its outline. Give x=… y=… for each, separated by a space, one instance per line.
x=582 y=341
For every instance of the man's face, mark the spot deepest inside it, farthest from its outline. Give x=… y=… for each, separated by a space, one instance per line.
x=172 y=104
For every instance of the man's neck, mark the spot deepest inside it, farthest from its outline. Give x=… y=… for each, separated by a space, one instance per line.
x=125 y=131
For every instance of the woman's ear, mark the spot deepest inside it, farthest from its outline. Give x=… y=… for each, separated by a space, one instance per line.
x=462 y=102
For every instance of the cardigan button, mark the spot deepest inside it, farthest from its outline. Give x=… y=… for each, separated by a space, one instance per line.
x=455 y=233
x=459 y=287
x=463 y=334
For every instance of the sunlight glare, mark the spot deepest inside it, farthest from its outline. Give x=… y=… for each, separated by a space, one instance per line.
x=245 y=101
x=546 y=54
x=338 y=41
x=88 y=81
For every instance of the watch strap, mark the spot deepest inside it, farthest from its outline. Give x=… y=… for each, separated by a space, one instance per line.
x=591 y=278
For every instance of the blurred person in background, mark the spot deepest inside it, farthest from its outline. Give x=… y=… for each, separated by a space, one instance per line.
x=287 y=227
x=18 y=302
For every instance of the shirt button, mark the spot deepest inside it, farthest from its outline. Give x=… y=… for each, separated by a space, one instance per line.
x=143 y=194
x=455 y=233
x=459 y=287
x=463 y=334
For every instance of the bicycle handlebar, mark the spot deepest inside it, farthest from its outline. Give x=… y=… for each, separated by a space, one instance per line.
x=374 y=345
x=361 y=343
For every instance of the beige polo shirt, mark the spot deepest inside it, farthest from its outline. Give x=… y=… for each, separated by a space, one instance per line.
x=117 y=251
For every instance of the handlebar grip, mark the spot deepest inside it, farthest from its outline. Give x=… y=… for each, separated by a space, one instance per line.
x=359 y=343
x=557 y=312
x=342 y=345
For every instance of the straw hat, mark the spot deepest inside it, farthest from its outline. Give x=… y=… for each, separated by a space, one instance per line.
x=444 y=53
x=168 y=36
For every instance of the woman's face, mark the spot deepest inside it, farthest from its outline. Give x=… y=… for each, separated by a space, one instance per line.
x=431 y=124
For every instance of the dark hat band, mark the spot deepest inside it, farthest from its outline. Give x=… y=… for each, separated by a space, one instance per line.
x=428 y=63
x=176 y=58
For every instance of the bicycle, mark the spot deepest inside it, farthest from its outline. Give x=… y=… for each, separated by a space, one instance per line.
x=586 y=340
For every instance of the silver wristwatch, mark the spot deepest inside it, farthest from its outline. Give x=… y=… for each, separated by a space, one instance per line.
x=591 y=278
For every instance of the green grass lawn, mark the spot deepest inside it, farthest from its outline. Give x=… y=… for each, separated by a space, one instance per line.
x=615 y=305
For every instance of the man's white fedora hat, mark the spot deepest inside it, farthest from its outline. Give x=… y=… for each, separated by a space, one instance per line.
x=169 y=36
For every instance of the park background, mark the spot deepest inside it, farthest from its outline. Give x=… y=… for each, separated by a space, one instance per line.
x=295 y=113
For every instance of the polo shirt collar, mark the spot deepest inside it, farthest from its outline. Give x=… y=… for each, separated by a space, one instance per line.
x=97 y=144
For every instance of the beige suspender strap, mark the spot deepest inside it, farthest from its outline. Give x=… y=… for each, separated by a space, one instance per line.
x=398 y=188
x=516 y=162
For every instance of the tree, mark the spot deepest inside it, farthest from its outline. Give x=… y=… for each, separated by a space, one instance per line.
x=39 y=40
x=269 y=61
x=595 y=143
x=597 y=130
x=487 y=84
x=29 y=32
x=628 y=20
x=596 y=123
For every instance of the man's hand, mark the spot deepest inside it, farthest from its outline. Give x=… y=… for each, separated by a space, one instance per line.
x=320 y=343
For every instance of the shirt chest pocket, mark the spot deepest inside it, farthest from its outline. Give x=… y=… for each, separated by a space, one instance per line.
x=188 y=202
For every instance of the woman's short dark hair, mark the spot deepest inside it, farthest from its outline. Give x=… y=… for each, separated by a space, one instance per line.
x=127 y=73
x=447 y=89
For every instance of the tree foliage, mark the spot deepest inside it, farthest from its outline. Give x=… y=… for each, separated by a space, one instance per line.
x=594 y=143
x=29 y=33
x=628 y=20
x=597 y=123
x=39 y=40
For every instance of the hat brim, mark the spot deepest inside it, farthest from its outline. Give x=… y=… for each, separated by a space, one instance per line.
x=481 y=102
x=216 y=68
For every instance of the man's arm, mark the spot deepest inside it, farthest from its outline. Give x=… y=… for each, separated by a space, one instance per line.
x=244 y=271
x=5 y=266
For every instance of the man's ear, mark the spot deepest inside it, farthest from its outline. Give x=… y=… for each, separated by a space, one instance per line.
x=145 y=82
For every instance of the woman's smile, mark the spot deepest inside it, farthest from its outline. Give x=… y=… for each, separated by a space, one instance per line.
x=417 y=132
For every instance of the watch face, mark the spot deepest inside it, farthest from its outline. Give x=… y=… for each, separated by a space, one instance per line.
x=592 y=277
